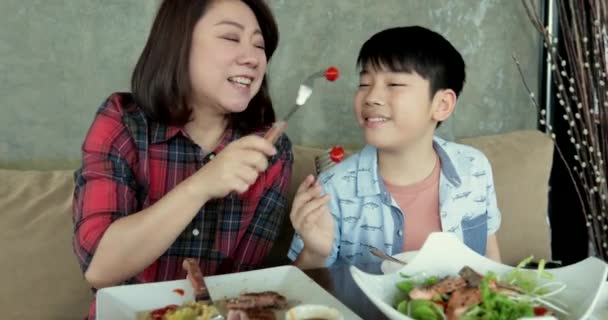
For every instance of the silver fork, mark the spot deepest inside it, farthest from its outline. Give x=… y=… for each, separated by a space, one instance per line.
x=380 y=254
x=304 y=92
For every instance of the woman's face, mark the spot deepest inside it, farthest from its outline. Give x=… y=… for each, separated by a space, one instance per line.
x=227 y=57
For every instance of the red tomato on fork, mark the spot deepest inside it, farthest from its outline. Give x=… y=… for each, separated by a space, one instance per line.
x=336 y=154
x=332 y=74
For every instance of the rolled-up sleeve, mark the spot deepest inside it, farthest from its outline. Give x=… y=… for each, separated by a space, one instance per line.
x=104 y=185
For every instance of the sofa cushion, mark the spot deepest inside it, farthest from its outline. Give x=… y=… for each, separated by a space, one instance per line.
x=39 y=273
x=521 y=163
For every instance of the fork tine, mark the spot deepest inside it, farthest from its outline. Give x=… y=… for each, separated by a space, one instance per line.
x=380 y=254
x=307 y=85
x=310 y=80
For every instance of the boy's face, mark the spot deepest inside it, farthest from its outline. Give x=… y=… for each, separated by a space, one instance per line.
x=395 y=109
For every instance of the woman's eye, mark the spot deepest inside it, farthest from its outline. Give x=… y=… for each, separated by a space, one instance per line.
x=232 y=39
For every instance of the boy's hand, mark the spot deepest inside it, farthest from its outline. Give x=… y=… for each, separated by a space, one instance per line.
x=311 y=219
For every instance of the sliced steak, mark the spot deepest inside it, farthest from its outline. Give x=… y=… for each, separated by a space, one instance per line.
x=253 y=300
x=472 y=277
x=461 y=300
x=446 y=285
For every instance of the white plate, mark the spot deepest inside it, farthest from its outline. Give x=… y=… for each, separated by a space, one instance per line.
x=601 y=307
x=444 y=254
x=390 y=267
x=123 y=302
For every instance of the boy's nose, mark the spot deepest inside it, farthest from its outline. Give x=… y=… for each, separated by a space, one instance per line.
x=374 y=97
x=373 y=101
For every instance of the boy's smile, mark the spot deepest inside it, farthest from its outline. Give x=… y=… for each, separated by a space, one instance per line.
x=373 y=119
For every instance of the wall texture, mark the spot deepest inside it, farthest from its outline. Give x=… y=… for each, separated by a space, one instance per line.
x=60 y=58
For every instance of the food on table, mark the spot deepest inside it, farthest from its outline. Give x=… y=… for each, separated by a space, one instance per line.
x=188 y=311
x=247 y=306
x=264 y=305
x=255 y=306
x=470 y=295
x=253 y=300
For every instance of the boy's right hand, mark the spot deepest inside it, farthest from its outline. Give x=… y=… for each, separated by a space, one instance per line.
x=235 y=168
x=311 y=219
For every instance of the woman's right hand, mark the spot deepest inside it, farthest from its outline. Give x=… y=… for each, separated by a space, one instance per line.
x=311 y=219
x=235 y=168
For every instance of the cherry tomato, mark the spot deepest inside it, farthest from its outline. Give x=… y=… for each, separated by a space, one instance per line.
x=332 y=74
x=336 y=154
x=540 y=311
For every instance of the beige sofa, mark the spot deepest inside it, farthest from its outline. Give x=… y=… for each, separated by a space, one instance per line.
x=40 y=278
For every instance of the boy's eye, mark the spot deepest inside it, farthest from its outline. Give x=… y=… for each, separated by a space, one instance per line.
x=397 y=85
x=260 y=46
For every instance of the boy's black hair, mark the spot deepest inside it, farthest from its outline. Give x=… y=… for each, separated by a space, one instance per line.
x=415 y=49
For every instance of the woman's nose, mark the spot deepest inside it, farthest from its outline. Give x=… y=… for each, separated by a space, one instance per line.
x=249 y=56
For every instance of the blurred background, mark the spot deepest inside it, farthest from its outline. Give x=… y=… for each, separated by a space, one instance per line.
x=59 y=59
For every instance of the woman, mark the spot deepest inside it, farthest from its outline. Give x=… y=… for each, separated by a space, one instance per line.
x=179 y=168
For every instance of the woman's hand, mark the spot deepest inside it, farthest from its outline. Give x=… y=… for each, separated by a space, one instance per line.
x=235 y=168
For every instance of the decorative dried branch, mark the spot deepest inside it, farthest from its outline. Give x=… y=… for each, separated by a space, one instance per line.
x=581 y=81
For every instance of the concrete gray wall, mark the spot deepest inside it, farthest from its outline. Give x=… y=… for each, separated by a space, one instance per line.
x=60 y=58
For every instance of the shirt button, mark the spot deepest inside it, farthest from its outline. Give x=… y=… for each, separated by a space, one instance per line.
x=211 y=156
x=195 y=232
x=400 y=233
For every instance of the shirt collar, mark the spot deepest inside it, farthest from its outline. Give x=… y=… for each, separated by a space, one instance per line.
x=447 y=165
x=162 y=133
x=369 y=180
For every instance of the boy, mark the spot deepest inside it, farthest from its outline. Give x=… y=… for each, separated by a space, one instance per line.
x=406 y=182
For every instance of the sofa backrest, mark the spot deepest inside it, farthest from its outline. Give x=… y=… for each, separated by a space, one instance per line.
x=39 y=274
x=41 y=278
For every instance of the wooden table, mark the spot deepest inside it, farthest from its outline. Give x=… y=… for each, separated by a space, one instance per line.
x=338 y=281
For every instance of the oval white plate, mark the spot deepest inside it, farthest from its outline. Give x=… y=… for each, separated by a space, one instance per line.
x=390 y=267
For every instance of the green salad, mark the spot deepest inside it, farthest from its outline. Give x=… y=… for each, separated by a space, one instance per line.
x=517 y=294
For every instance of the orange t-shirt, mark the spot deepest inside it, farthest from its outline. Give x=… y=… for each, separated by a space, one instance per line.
x=419 y=203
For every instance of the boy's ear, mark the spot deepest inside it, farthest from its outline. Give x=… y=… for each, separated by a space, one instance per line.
x=443 y=104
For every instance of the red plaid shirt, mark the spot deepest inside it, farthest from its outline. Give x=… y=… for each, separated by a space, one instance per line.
x=130 y=162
